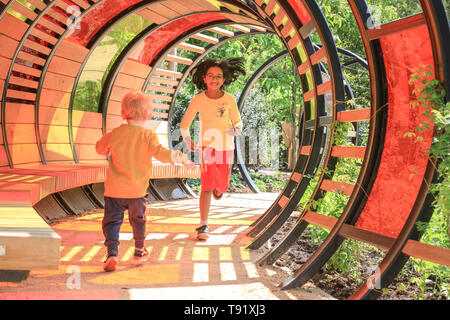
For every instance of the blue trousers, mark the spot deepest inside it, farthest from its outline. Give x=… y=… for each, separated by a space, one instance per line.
x=113 y=219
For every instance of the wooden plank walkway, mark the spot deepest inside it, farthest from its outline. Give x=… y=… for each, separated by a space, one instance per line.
x=179 y=267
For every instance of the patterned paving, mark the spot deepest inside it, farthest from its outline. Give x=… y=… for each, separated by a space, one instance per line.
x=178 y=267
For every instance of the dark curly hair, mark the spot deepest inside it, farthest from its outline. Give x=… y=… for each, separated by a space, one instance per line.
x=231 y=67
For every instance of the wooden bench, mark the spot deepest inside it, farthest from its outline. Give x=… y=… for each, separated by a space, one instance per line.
x=27 y=241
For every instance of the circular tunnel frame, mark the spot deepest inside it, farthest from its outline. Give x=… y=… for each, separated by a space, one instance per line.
x=315 y=125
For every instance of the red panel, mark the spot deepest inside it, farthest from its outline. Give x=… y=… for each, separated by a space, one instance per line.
x=403 y=162
x=301 y=11
x=158 y=40
x=96 y=18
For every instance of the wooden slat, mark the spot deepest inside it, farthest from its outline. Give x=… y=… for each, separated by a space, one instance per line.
x=24 y=153
x=58 y=82
x=23 y=82
x=26 y=12
x=13 y=27
x=160 y=97
x=19 y=133
x=427 y=252
x=350 y=232
x=54 y=134
x=396 y=26
x=64 y=66
x=135 y=68
x=161 y=106
x=127 y=81
x=280 y=17
x=168 y=73
x=51 y=26
x=25 y=69
x=324 y=88
x=16 y=94
x=354 y=115
x=85 y=119
x=8 y=47
x=178 y=59
x=58 y=152
x=294 y=41
x=337 y=187
x=221 y=31
x=43 y=36
x=240 y=28
x=53 y=98
x=307 y=29
x=190 y=47
x=87 y=135
x=348 y=152
x=19 y=113
x=270 y=7
x=205 y=38
x=160 y=89
x=31 y=58
x=163 y=81
x=151 y=16
x=318 y=56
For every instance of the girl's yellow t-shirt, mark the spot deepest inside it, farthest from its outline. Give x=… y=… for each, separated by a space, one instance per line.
x=215 y=117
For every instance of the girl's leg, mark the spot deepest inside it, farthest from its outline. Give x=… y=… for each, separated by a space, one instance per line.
x=205 y=203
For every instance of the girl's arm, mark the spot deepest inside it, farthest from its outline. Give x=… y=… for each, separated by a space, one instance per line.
x=188 y=117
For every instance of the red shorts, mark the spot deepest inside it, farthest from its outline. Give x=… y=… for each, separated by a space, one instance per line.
x=216 y=169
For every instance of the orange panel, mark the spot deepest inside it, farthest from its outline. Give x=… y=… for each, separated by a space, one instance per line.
x=13 y=27
x=58 y=82
x=403 y=162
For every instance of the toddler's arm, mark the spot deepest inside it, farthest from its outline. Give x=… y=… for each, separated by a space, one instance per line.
x=103 y=146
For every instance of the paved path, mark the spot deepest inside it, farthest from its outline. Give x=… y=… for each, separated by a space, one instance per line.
x=179 y=267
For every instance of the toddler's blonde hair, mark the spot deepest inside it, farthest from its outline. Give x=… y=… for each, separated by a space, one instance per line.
x=137 y=105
